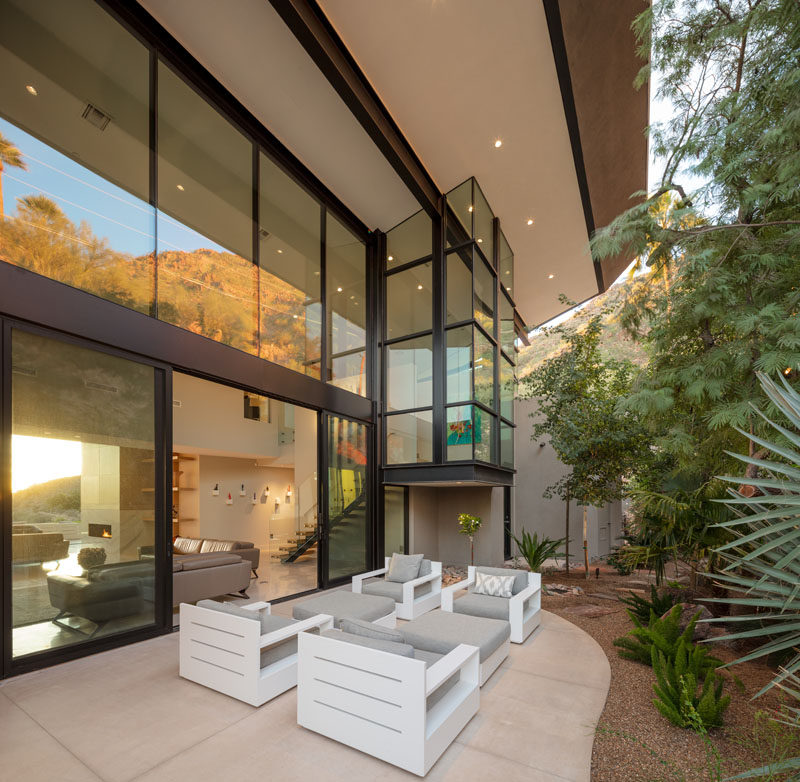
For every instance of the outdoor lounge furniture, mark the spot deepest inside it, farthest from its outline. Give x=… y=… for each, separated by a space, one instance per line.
x=242 y=650
x=385 y=698
x=340 y=604
x=440 y=632
x=522 y=609
x=413 y=597
x=246 y=550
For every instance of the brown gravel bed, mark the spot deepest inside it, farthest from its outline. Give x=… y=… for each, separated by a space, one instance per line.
x=629 y=709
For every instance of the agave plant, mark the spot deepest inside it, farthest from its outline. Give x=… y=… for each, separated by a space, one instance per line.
x=535 y=550
x=763 y=560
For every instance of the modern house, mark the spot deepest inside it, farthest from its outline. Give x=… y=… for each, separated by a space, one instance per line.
x=265 y=268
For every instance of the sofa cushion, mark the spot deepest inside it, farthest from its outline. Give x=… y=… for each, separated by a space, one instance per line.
x=441 y=632
x=425 y=568
x=208 y=546
x=482 y=605
x=429 y=658
x=341 y=604
x=369 y=630
x=213 y=559
x=177 y=566
x=186 y=545
x=237 y=544
x=494 y=586
x=403 y=567
x=392 y=589
x=404 y=650
x=122 y=571
x=520 y=576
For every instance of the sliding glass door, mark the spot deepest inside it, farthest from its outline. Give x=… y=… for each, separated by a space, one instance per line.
x=85 y=514
x=348 y=521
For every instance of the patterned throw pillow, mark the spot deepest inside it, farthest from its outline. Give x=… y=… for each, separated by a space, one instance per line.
x=494 y=586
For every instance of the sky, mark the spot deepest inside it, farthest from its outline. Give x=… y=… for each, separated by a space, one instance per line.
x=40 y=459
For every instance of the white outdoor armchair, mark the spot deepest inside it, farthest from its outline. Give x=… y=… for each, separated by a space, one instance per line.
x=228 y=652
x=413 y=598
x=521 y=610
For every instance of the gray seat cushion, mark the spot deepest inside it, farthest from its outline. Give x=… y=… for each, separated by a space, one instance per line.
x=392 y=589
x=482 y=605
x=441 y=632
x=403 y=567
x=520 y=576
x=370 y=630
x=402 y=649
x=429 y=658
x=340 y=604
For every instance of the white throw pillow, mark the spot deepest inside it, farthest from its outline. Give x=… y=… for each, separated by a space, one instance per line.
x=494 y=586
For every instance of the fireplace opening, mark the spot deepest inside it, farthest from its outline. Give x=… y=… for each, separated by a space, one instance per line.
x=100 y=531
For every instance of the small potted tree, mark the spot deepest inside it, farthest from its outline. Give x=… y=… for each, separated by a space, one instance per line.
x=468 y=525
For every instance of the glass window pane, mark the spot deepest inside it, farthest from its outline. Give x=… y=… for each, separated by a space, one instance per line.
x=508 y=385
x=485 y=424
x=459 y=433
x=74 y=203
x=483 y=302
x=394 y=520
x=460 y=201
x=506 y=265
x=410 y=240
x=289 y=284
x=207 y=282
x=507 y=333
x=409 y=369
x=409 y=437
x=409 y=301
x=484 y=225
x=346 y=261
x=348 y=514
x=484 y=370
x=459 y=364
x=83 y=475
x=506 y=446
x=459 y=286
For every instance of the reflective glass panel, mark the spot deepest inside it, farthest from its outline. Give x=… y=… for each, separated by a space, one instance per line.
x=484 y=370
x=484 y=225
x=485 y=424
x=348 y=514
x=459 y=364
x=409 y=437
x=74 y=196
x=459 y=286
x=394 y=520
x=207 y=282
x=289 y=281
x=508 y=383
x=409 y=301
x=409 y=241
x=459 y=224
x=506 y=445
x=483 y=302
x=409 y=373
x=507 y=333
x=83 y=477
x=460 y=433
x=506 y=265
x=347 y=307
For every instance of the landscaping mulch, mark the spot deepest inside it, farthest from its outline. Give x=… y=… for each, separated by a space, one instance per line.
x=634 y=742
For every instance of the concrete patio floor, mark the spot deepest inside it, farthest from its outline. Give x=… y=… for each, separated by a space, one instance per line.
x=126 y=715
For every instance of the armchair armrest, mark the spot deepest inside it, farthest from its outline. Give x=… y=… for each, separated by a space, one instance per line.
x=409 y=586
x=257 y=606
x=448 y=592
x=438 y=673
x=516 y=604
x=361 y=577
x=323 y=621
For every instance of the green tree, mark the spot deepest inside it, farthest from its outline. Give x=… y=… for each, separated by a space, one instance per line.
x=731 y=247
x=9 y=156
x=577 y=393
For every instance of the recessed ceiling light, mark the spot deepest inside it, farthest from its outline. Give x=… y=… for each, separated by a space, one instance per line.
x=530 y=221
x=550 y=276
x=391 y=258
x=316 y=274
x=31 y=89
x=419 y=287
x=352 y=297
x=339 y=289
x=469 y=208
x=280 y=252
x=480 y=241
x=294 y=316
x=508 y=289
x=498 y=143
x=180 y=187
x=508 y=271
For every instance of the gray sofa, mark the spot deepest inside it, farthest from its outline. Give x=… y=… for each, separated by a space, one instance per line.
x=182 y=546
x=197 y=576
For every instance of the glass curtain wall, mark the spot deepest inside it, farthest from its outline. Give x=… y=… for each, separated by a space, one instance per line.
x=78 y=203
x=84 y=471
x=408 y=342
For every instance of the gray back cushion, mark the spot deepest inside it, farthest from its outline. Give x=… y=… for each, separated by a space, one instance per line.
x=404 y=567
x=425 y=568
x=404 y=650
x=520 y=576
x=268 y=622
x=369 y=630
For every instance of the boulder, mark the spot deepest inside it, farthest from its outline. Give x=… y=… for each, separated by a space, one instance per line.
x=688 y=610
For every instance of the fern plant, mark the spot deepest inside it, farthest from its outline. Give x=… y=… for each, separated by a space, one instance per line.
x=535 y=551
x=688 y=692
x=640 y=607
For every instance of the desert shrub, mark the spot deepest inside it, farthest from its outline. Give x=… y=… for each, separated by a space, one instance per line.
x=619 y=563
x=640 y=607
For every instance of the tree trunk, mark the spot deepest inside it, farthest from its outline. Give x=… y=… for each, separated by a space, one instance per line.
x=585 y=543
x=567 y=535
